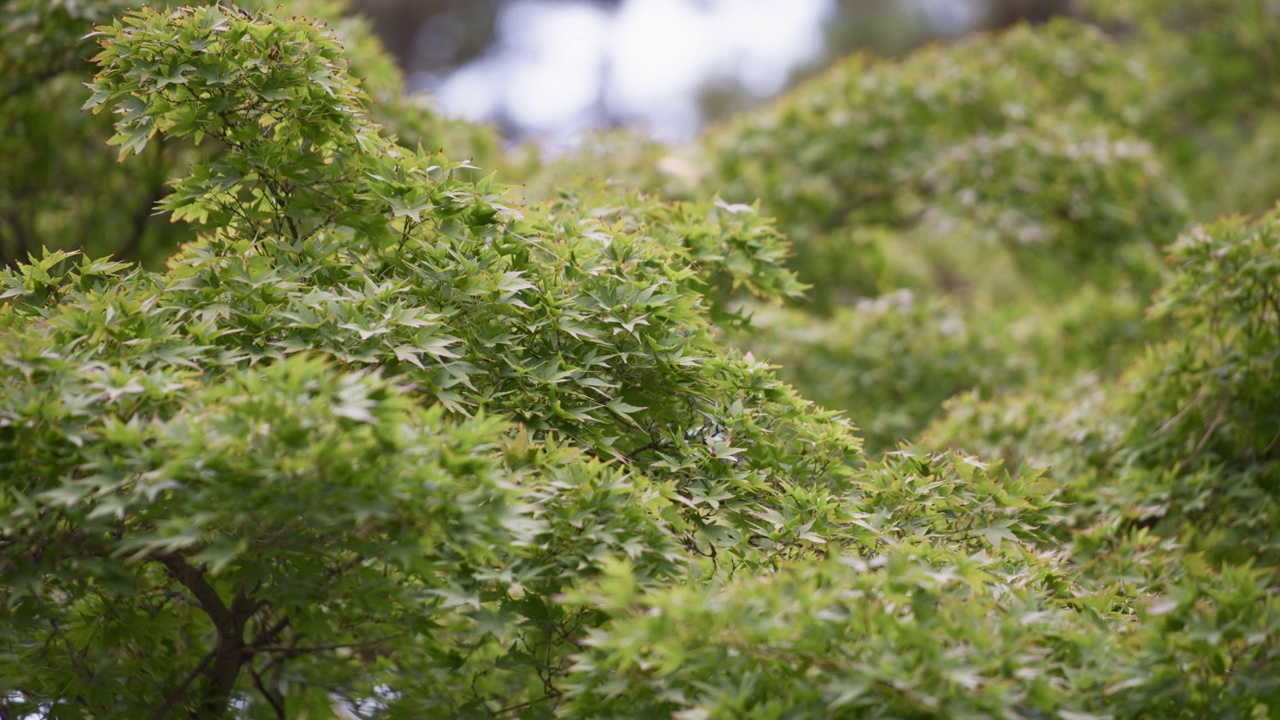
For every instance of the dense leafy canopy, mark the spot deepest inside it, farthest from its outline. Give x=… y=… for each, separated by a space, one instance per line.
x=388 y=437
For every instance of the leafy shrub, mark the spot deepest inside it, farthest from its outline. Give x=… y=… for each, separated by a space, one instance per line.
x=962 y=131
x=1212 y=95
x=919 y=630
x=891 y=364
x=1202 y=404
x=1071 y=203
x=847 y=639
x=1188 y=435
x=1024 y=215
x=1220 y=47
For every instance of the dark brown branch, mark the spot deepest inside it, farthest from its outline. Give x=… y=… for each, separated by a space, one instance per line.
x=230 y=651
x=269 y=634
x=194 y=581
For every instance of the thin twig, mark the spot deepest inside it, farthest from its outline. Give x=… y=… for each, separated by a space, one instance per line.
x=277 y=704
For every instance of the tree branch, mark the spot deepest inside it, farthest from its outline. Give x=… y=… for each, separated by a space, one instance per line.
x=230 y=652
x=277 y=703
x=194 y=581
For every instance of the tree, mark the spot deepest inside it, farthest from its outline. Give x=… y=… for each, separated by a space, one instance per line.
x=382 y=437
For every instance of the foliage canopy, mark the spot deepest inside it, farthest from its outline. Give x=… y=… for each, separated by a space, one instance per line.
x=387 y=437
